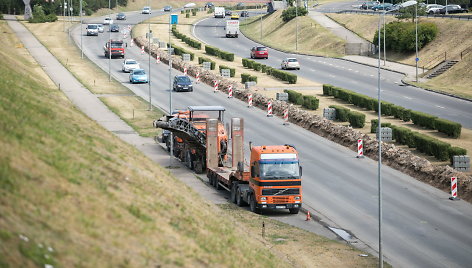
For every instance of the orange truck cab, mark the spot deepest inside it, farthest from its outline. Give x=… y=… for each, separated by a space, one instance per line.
x=117 y=48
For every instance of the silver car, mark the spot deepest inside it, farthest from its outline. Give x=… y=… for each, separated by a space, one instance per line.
x=100 y=28
x=92 y=29
x=290 y=63
x=129 y=65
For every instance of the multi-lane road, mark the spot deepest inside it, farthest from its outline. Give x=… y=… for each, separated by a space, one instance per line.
x=422 y=228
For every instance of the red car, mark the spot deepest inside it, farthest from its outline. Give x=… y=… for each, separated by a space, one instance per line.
x=259 y=52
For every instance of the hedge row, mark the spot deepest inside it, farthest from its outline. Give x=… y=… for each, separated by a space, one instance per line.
x=248 y=78
x=201 y=60
x=308 y=102
x=219 y=53
x=179 y=51
x=282 y=75
x=189 y=41
x=232 y=71
x=450 y=128
x=356 y=119
x=425 y=144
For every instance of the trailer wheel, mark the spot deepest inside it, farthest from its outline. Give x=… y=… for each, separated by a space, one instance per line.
x=198 y=166
x=294 y=210
x=239 y=199
x=233 y=193
x=188 y=160
x=252 y=204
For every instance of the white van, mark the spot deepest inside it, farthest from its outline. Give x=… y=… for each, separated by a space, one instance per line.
x=92 y=29
x=219 y=12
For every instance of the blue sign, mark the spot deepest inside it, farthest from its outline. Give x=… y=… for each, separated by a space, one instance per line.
x=417 y=59
x=174 y=19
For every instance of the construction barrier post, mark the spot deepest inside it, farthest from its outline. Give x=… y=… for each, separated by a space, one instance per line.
x=360 y=148
x=454 y=189
x=269 y=109
x=185 y=70
x=198 y=78
x=249 y=100
x=158 y=59
x=215 y=86
x=230 y=91
x=142 y=49
x=286 y=117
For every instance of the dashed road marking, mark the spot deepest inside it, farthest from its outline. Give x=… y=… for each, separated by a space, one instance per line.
x=440 y=107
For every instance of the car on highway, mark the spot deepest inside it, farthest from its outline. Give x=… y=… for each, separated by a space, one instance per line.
x=244 y=13
x=228 y=12
x=100 y=28
x=107 y=21
x=167 y=8
x=182 y=83
x=433 y=8
x=209 y=5
x=138 y=76
x=451 y=9
x=368 y=5
x=114 y=28
x=259 y=52
x=383 y=6
x=146 y=10
x=121 y=16
x=92 y=29
x=235 y=16
x=290 y=63
x=129 y=65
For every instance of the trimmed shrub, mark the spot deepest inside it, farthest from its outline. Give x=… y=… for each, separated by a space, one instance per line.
x=374 y=124
x=245 y=78
x=440 y=149
x=232 y=71
x=292 y=12
x=187 y=15
x=179 y=51
x=253 y=78
x=310 y=102
x=250 y=63
x=264 y=68
x=422 y=119
x=406 y=115
x=194 y=13
x=256 y=66
x=400 y=36
x=450 y=128
x=356 y=119
x=327 y=90
x=291 y=78
x=294 y=97
x=342 y=114
x=456 y=151
x=244 y=61
x=203 y=59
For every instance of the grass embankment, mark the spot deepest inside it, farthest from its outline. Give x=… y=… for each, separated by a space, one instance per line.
x=73 y=194
x=312 y=38
x=453 y=38
x=117 y=97
x=160 y=28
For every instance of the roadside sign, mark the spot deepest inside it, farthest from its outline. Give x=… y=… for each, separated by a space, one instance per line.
x=225 y=72
x=207 y=65
x=186 y=57
x=174 y=19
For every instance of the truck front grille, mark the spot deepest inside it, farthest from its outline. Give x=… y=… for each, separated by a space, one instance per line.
x=281 y=191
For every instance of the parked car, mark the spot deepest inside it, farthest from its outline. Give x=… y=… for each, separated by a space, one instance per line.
x=138 y=76
x=209 y=5
x=108 y=21
x=92 y=29
x=259 y=52
x=182 y=83
x=451 y=9
x=228 y=12
x=100 y=28
x=235 y=16
x=114 y=28
x=368 y=5
x=167 y=8
x=290 y=63
x=121 y=16
x=433 y=9
x=146 y=10
x=129 y=65
x=384 y=6
x=244 y=13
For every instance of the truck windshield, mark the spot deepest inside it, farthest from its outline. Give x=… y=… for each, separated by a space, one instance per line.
x=279 y=169
x=116 y=45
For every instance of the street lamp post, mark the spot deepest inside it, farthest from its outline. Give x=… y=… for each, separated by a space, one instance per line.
x=416 y=40
x=81 y=26
x=149 y=55
x=296 y=20
x=171 y=136
x=379 y=134
x=109 y=42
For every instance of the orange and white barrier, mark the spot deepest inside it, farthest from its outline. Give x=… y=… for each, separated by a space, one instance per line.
x=185 y=70
x=215 y=85
x=249 y=100
x=230 y=91
x=142 y=49
x=269 y=108
x=308 y=216
x=131 y=43
x=198 y=77
x=158 y=59
x=360 y=148
x=286 y=117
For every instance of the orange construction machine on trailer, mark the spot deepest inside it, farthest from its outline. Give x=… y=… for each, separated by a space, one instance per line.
x=273 y=180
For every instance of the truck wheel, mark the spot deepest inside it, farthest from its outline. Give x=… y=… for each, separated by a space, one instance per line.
x=294 y=210
x=217 y=185
x=199 y=167
x=252 y=205
x=239 y=199
x=188 y=160
x=233 y=193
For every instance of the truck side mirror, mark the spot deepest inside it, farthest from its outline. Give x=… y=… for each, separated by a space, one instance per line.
x=300 y=171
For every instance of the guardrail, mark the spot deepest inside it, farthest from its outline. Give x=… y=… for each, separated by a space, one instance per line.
x=371 y=12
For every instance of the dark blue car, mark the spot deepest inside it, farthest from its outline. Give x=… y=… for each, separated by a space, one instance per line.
x=182 y=83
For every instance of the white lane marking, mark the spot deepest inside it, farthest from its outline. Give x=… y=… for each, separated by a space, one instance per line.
x=350 y=69
x=406 y=97
x=440 y=107
x=371 y=75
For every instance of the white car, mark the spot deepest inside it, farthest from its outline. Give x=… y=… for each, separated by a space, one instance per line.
x=146 y=10
x=108 y=21
x=92 y=29
x=290 y=63
x=100 y=28
x=129 y=65
x=433 y=8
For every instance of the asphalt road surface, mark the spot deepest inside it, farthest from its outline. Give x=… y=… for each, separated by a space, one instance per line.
x=422 y=228
x=353 y=76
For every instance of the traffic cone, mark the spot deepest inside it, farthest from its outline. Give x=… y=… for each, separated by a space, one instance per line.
x=308 y=216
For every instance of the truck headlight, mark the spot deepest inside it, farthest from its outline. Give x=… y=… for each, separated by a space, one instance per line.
x=263 y=198
x=297 y=197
